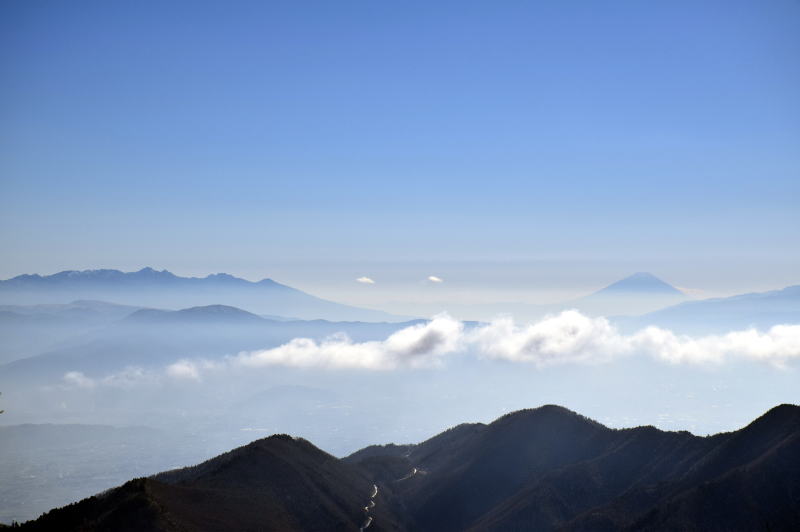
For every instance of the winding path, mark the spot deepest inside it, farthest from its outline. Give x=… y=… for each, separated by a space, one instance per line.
x=368 y=507
x=371 y=503
x=413 y=472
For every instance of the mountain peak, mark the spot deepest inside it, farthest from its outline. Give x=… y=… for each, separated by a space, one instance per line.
x=640 y=283
x=543 y=414
x=147 y=271
x=221 y=276
x=783 y=414
x=209 y=313
x=219 y=312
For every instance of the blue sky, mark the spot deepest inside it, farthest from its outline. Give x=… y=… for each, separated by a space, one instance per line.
x=314 y=142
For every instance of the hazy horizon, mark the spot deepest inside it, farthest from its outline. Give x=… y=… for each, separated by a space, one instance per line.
x=404 y=288
x=317 y=146
x=449 y=186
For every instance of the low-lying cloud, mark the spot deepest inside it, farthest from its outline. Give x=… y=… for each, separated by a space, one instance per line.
x=415 y=346
x=567 y=338
x=571 y=337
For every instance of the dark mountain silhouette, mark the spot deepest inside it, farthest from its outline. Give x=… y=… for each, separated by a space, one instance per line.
x=150 y=288
x=762 y=310
x=541 y=469
x=277 y=483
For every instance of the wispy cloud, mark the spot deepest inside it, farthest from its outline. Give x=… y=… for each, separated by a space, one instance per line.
x=696 y=293
x=77 y=379
x=365 y=280
x=184 y=369
x=187 y=369
x=434 y=279
x=127 y=378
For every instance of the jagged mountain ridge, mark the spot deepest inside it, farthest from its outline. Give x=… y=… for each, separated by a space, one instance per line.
x=162 y=289
x=540 y=469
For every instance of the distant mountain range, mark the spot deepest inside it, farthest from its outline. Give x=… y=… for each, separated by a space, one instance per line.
x=761 y=310
x=636 y=294
x=638 y=300
x=642 y=299
x=542 y=469
x=153 y=337
x=28 y=330
x=100 y=336
x=150 y=288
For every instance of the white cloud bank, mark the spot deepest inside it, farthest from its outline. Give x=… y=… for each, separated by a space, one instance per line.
x=365 y=280
x=434 y=279
x=415 y=346
x=567 y=338
x=572 y=337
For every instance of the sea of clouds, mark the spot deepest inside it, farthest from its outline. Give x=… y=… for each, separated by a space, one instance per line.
x=567 y=338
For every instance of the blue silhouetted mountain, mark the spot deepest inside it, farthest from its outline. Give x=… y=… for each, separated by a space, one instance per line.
x=156 y=337
x=761 y=310
x=213 y=314
x=638 y=293
x=544 y=469
x=28 y=330
x=162 y=289
x=639 y=283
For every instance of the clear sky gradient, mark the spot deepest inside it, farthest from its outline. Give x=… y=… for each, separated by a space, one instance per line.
x=315 y=142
